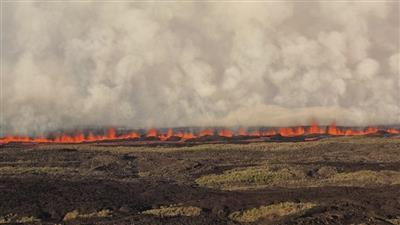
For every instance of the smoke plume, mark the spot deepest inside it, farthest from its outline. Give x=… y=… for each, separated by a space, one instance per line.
x=85 y=64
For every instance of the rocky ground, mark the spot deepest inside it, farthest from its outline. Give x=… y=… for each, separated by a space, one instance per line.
x=346 y=180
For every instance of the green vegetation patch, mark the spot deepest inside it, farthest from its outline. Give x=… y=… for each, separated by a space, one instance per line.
x=173 y=211
x=270 y=211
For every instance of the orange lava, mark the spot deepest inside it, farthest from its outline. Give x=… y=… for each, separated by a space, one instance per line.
x=225 y=133
x=315 y=129
x=242 y=132
x=111 y=134
x=393 y=131
x=291 y=132
x=152 y=133
x=207 y=132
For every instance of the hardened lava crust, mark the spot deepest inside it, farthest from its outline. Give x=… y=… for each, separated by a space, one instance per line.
x=322 y=180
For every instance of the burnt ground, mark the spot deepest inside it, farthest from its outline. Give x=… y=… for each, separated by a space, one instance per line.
x=43 y=182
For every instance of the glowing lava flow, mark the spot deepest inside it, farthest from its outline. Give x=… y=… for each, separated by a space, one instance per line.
x=225 y=133
x=154 y=134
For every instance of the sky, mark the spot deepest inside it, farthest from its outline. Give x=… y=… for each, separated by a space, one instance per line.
x=170 y=64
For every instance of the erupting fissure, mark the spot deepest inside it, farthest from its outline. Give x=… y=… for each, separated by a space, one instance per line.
x=111 y=134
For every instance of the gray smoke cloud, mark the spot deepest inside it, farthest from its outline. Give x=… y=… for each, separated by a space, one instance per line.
x=135 y=64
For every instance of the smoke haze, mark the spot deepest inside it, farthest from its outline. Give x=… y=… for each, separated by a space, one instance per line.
x=82 y=64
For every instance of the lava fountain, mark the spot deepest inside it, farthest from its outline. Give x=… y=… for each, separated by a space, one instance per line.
x=111 y=134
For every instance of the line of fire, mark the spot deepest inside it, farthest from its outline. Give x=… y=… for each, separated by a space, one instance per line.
x=308 y=132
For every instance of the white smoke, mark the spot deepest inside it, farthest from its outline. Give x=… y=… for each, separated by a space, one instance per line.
x=69 y=65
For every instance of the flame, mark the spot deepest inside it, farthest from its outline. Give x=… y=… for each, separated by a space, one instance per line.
x=170 y=133
x=371 y=130
x=269 y=133
x=291 y=132
x=333 y=130
x=225 y=133
x=315 y=129
x=40 y=140
x=299 y=131
x=242 y=132
x=152 y=133
x=286 y=132
x=166 y=136
x=255 y=133
x=393 y=131
x=188 y=135
x=207 y=132
x=179 y=134
x=131 y=135
x=91 y=137
x=111 y=134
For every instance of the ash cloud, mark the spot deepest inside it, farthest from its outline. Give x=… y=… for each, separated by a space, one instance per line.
x=71 y=65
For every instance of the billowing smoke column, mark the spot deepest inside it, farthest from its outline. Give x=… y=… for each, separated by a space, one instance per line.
x=141 y=65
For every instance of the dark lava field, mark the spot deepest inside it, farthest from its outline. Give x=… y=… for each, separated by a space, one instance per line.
x=343 y=180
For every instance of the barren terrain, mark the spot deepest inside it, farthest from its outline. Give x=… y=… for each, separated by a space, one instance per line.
x=344 y=180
